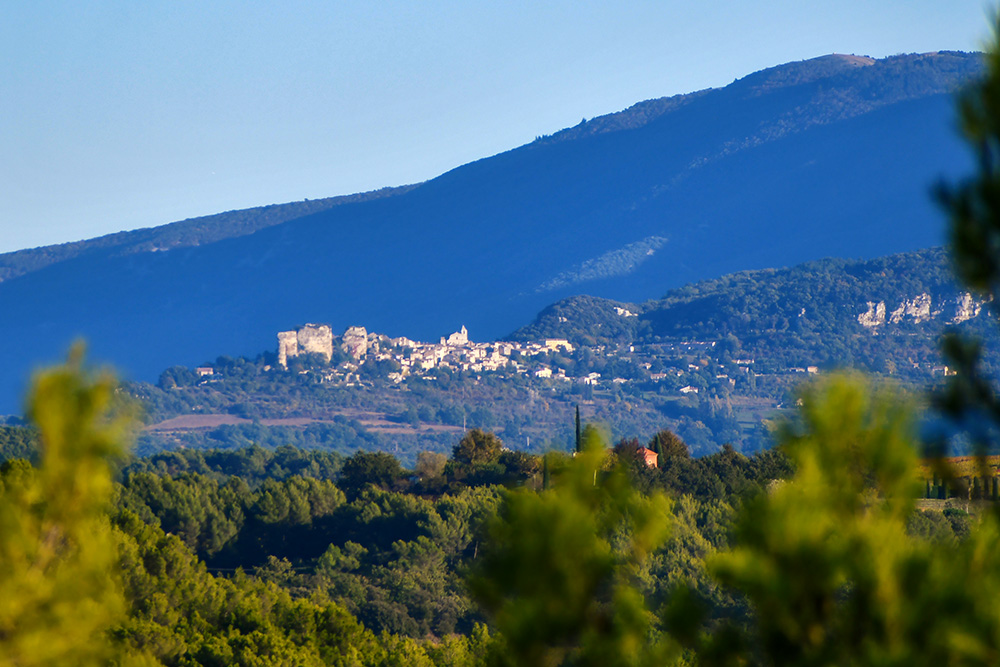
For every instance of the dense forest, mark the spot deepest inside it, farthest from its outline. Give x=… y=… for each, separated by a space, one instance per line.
x=287 y=556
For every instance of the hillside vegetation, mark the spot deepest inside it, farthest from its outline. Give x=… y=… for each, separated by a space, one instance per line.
x=810 y=314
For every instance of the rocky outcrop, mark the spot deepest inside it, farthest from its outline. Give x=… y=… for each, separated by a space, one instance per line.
x=919 y=309
x=966 y=308
x=874 y=316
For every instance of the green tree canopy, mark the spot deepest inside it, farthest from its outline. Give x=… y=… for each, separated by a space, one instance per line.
x=668 y=444
x=558 y=576
x=364 y=468
x=477 y=447
x=60 y=594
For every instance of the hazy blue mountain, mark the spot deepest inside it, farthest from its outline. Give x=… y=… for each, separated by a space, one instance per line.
x=192 y=232
x=827 y=157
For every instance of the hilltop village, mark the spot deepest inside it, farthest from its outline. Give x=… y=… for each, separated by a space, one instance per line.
x=550 y=358
x=455 y=351
x=767 y=359
x=634 y=377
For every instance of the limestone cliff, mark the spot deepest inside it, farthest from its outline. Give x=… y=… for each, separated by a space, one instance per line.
x=920 y=309
x=874 y=316
x=966 y=308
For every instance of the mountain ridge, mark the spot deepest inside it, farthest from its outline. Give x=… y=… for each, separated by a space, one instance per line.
x=182 y=233
x=158 y=237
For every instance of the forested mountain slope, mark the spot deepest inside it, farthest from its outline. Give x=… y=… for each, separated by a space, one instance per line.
x=831 y=312
x=828 y=157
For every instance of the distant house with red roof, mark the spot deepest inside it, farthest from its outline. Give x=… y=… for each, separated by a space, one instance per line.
x=628 y=449
x=649 y=456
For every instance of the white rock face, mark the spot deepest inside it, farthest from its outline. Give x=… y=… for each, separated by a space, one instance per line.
x=919 y=308
x=355 y=342
x=874 y=316
x=966 y=308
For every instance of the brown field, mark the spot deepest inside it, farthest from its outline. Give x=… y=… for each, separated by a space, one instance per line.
x=963 y=466
x=377 y=422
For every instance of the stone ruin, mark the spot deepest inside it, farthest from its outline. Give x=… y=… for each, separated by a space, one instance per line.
x=288 y=346
x=311 y=338
x=355 y=342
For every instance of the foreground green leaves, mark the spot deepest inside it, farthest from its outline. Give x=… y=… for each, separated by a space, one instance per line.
x=58 y=594
x=560 y=576
x=588 y=571
x=827 y=564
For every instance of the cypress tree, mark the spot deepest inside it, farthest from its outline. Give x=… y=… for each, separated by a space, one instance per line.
x=579 y=432
x=658 y=448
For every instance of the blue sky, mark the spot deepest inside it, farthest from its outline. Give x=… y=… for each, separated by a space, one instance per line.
x=120 y=115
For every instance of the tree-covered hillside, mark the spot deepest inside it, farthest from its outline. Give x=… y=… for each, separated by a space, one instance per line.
x=825 y=297
x=832 y=312
x=827 y=549
x=584 y=320
x=716 y=362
